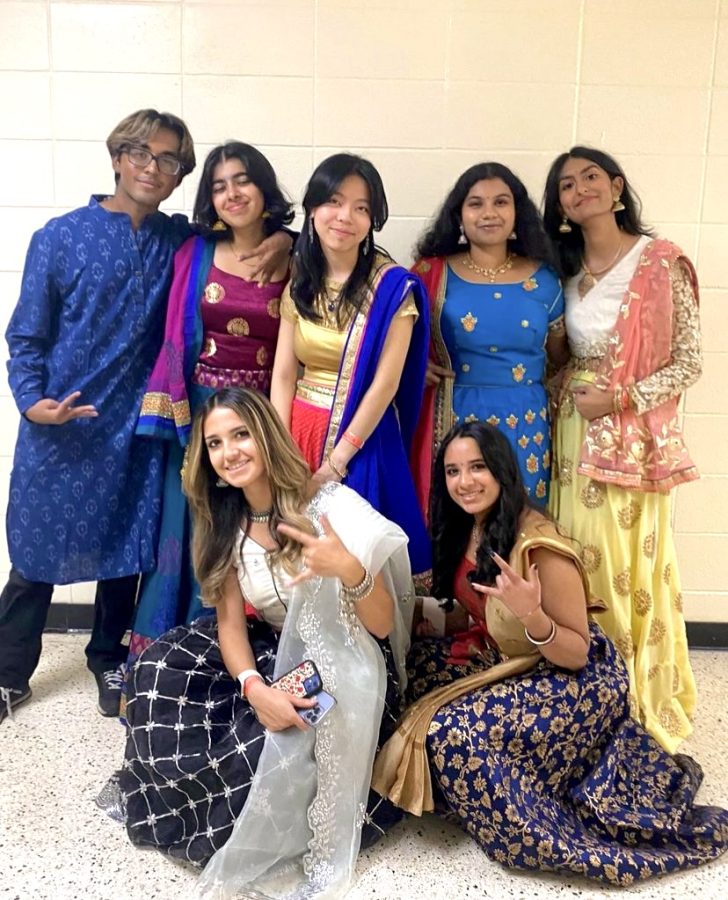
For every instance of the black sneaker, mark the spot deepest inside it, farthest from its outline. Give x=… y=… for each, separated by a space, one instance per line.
x=10 y=698
x=109 y=684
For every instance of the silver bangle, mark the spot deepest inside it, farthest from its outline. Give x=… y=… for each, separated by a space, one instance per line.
x=359 y=591
x=549 y=640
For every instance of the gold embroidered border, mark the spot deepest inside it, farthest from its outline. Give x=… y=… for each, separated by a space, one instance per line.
x=443 y=414
x=161 y=405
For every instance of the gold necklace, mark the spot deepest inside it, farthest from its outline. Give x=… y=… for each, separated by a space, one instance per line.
x=490 y=274
x=589 y=278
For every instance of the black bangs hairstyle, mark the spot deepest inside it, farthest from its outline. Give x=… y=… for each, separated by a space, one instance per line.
x=441 y=238
x=259 y=171
x=451 y=526
x=309 y=269
x=570 y=246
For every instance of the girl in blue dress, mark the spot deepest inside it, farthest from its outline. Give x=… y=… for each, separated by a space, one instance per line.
x=496 y=319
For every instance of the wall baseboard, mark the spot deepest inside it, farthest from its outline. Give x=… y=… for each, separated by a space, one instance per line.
x=80 y=616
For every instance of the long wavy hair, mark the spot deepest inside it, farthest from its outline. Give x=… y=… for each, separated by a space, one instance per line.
x=219 y=512
x=309 y=267
x=441 y=238
x=259 y=171
x=451 y=526
x=570 y=246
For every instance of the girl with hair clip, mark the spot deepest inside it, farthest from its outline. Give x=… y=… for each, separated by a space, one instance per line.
x=358 y=324
x=217 y=760
x=634 y=335
x=221 y=330
x=496 y=312
x=521 y=726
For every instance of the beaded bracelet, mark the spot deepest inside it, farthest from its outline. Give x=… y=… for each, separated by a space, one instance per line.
x=353 y=439
x=549 y=640
x=620 y=401
x=335 y=469
x=359 y=591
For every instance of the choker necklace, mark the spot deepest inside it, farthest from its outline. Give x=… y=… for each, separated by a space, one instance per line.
x=260 y=517
x=589 y=278
x=490 y=274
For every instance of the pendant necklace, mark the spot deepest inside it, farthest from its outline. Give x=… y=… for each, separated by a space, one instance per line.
x=490 y=274
x=589 y=278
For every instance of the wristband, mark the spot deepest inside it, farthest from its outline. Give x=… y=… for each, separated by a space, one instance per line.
x=353 y=439
x=243 y=676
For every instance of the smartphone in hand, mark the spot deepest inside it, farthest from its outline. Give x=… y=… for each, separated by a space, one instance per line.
x=303 y=680
x=315 y=714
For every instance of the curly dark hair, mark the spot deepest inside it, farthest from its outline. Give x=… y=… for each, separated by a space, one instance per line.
x=570 y=246
x=441 y=238
x=309 y=269
x=259 y=171
x=451 y=526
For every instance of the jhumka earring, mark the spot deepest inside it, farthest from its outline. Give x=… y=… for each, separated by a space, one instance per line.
x=310 y=230
x=265 y=214
x=219 y=226
x=221 y=483
x=462 y=240
x=564 y=228
x=367 y=244
x=617 y=206
x=512 y=236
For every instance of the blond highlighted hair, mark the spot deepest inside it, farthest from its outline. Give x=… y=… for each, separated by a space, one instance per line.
x=142 y=125
x=219 y=512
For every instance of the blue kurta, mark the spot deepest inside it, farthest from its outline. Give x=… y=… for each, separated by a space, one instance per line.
x=496 y=335
x=85 y=496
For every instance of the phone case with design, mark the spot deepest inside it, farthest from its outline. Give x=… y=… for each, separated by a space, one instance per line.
x=302 y=681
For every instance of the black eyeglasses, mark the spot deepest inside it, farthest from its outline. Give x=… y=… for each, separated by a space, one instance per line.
x=141 y=157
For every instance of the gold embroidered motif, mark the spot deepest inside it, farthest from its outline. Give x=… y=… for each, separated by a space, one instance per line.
x=670 y=721
x=540 y=488
x=658 y=630
x=518 y=372
x=628 y=515
x=493 y=349
x=214 y=292
x=238 y=327
x=469 y=322
x=465 y=367
x=423 y=267
x=677 y=601
x=667 y=573
x=593 y=494
x=648 y=545
x=497 y=295
x=675 y=679
x=261 y=356
x=625 y=644
x=642 y=601
x=524 y=323
x=532 y=464
x=161 y=405
x=523 y=441
x=529 y=416
x=530 y=284
x=567 y=408
x=538 y=438
x=566 y=472
x=274 y=308
x=543 y=412
x=653 y=672
x=512 y=421
x=591 y=558
x=210 y=347
x=493 y=420
x=546 y=461
x=471 y=418
x=621 y=583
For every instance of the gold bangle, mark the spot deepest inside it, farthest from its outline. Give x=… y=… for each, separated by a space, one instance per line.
x=334 y=468
x=549 y=640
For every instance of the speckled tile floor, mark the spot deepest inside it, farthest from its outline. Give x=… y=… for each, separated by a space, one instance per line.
x=55 y=844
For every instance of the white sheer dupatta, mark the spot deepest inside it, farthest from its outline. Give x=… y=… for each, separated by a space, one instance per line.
x=298 y=835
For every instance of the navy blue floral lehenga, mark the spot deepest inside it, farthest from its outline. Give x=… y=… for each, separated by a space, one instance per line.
x=546 y=770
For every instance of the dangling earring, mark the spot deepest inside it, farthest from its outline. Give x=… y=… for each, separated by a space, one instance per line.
x=310 y=230
x=219 y=226
x=512 y=236
x=367 y=244
x=462 y=240
x=617 y=205
x=564 y=228
x=265 y=214
x=221 y=483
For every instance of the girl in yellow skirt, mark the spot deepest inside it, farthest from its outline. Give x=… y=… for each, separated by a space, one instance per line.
x=633 y=329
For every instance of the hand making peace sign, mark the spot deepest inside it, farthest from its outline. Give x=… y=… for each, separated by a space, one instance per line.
x=521 y=596
x=324 y=555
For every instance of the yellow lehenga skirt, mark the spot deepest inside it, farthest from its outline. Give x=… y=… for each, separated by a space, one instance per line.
x=627 y=547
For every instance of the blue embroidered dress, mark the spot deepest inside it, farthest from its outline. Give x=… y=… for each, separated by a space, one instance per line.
x=495 y=335
x=84 y=496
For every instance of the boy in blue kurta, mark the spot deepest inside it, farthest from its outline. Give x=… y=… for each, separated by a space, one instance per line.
x=84 y=491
